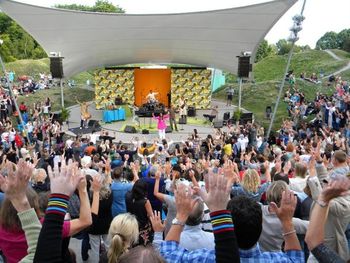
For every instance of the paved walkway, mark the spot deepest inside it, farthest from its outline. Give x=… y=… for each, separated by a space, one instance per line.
x=347 y=67
x=332 y=54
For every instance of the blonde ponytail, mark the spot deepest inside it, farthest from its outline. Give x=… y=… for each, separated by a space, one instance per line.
x=123 y=232
x=116 y=248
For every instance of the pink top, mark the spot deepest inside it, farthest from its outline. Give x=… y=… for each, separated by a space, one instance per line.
x=161 y=122
x=14 y=244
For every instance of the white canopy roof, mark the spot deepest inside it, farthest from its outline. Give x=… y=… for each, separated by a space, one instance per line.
x=90 y=40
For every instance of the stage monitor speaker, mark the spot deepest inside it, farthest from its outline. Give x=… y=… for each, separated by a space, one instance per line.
x=93 y=123
x=226 y=116
x=145 y=131
x=218 y=124
x=244 y=67
x=56 y=67
x=168 y=130
x=182 y=120
x=246 y=117
x=191 y=112
x=129 y=129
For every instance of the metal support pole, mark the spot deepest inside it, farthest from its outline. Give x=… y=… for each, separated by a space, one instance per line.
x=11 y=93
x=240 y=94
x=284 y=78
x=280 y=91
x=62 y=95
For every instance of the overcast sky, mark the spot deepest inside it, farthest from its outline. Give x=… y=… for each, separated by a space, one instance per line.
x=321 y=15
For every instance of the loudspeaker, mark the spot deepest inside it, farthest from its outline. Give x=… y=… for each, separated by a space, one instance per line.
x=182 y=120
x=246 y=117
x=191 y=112
x=226 y=116
x=93 y=123
x=145 y=131
x=118 y=101
x=244 y=67
x=168 y=130
x=218 y=124
x=56 y=67
x=129 y=129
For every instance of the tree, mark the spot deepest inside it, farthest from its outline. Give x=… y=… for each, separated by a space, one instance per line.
x=107 y=7
x=103 y=6
x=328 y=41
x=343 y=36
x=264 y=50
x=346 y=45
x=283 y=47
x=6 y=49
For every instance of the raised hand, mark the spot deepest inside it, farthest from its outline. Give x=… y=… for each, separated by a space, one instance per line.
x=286 y=210
x=184 y=202
x=65 y=180
x=96 y=183
x=219 y=192
x=334 y=189
x=15 y=184
x=158 y=174
x=156 y=222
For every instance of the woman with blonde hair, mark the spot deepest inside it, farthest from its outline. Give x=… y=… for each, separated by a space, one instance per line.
x=123 y=233
x=251 y=184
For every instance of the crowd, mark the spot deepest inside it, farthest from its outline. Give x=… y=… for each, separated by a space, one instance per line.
x=230 y=196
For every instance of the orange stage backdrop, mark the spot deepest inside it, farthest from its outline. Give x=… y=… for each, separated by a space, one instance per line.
x=157 y=80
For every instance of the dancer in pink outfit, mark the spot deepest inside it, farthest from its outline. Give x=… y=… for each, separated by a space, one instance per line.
x=161 y=124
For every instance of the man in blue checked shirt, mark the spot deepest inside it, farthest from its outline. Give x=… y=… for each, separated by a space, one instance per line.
x=247 y=224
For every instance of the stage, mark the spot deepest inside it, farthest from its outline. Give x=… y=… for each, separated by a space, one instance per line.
x=115 y=129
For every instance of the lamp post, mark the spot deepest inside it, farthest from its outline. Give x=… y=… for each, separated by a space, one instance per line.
x=295 y=29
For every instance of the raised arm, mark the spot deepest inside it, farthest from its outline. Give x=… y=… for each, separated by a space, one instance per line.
x=14 y=186
x=315 y=233
x=96 y=187
x=63 y=184
x=285 y=214
x=156 y=193
x=84 y=220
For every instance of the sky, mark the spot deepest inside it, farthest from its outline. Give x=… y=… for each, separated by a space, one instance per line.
x=321 y=15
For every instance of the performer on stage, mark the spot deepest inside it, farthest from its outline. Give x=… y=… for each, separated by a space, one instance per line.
x=161 y=124
x=135 y=118
x=84 y=113
x=183 y=108
x=172 y=118
x=151 y=97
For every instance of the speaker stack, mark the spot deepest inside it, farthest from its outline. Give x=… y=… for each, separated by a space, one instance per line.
x=244 y=67
x=56 y=67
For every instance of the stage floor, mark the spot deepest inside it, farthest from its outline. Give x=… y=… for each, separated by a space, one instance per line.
x=115 y=128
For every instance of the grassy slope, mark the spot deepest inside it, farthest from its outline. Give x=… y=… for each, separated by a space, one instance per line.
x=269 y=72
x=272 y=68
x=55 y=95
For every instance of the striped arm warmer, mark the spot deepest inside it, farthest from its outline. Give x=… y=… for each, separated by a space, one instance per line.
x=58 y=204
x=221 y=221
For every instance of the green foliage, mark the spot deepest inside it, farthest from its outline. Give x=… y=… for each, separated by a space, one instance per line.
x=18 y=44
x=333 y=40
x=346 y=45
x=283 y=47
x=6 y=49
x=265 y=50
x=103 y=6
x=65 y=114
